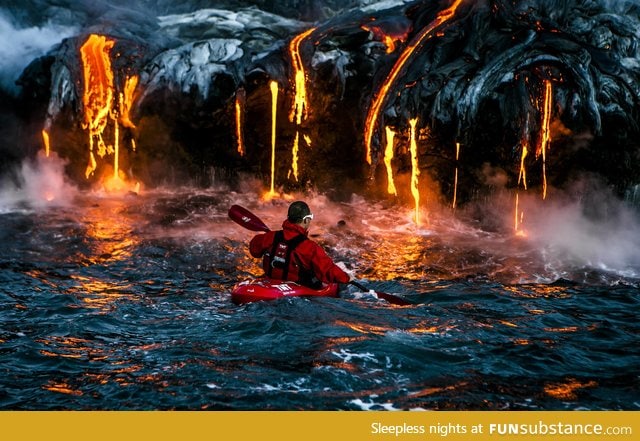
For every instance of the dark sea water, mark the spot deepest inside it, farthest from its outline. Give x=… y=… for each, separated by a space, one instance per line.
x=123 y=302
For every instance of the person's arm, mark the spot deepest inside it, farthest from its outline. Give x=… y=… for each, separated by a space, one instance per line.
x=324 y=268
x=258 y=245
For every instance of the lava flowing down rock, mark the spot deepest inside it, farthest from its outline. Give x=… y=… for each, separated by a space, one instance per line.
x=538 y=86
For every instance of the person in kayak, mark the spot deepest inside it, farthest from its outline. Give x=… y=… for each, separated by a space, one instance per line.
x=289 y=254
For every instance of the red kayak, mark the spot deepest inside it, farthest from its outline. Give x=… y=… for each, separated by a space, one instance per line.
x=264 y=288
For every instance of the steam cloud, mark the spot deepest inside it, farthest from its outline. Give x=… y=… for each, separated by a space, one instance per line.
x=19 y=46
x=40 y=183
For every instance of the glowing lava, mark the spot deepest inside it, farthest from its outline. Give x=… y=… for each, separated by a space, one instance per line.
x=294 y=155
x=518 y=219
x=381 y=96
x=97 y=98
x=100 y=106
x=45 y=140
x=415 y=171
x=239 y=113
x=522 y=179
x=273 y=85
x=546 y=134
x=522 y=175
x=126 y=101
x=388 y=156
x=300 y=104
x=455 y=178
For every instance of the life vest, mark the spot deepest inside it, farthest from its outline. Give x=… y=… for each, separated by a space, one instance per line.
x=277 y=263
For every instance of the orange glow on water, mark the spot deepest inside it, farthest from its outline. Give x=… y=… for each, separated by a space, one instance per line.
x=380 y=97
x=388 y=156
x=364 y=328
x=62 y=387
x=568 y=390
x=415 y=171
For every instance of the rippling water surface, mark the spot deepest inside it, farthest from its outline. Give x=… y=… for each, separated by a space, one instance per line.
x=123 y=303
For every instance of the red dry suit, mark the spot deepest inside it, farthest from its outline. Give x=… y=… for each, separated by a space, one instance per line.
x=289 y=254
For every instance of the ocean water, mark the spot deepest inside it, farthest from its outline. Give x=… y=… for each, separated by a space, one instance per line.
x=123 y=302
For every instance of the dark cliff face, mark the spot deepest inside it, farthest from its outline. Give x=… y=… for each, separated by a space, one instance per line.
x=477 y=78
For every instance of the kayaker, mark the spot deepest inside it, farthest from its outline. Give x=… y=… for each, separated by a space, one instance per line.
x=289 y=254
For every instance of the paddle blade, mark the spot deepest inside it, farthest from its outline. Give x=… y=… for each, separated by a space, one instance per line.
x=247 y=219
x=393 y=299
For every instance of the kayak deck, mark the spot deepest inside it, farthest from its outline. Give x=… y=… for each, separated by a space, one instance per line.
x=263 y=288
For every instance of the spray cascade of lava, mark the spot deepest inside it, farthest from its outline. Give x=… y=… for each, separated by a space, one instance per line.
x=294 y=156
x=518 y=218
x=273 y=85
x=97 y=98
x=239 y=112
x=126 y=101
x=455 y=178
x=388 y=156
x=415 y=171
x=46 y=142
x=522 y=179
x=102 y=103
x=300 y=106
x=545 y=138
x=522 y=175
x=380 y=97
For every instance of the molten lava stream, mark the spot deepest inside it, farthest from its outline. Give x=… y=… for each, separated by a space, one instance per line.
x=273 y=85
x=545 y=139
x=415 y=171
x=455 y=178
x=388 y=156
x=380 y=97
x=97 y=98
